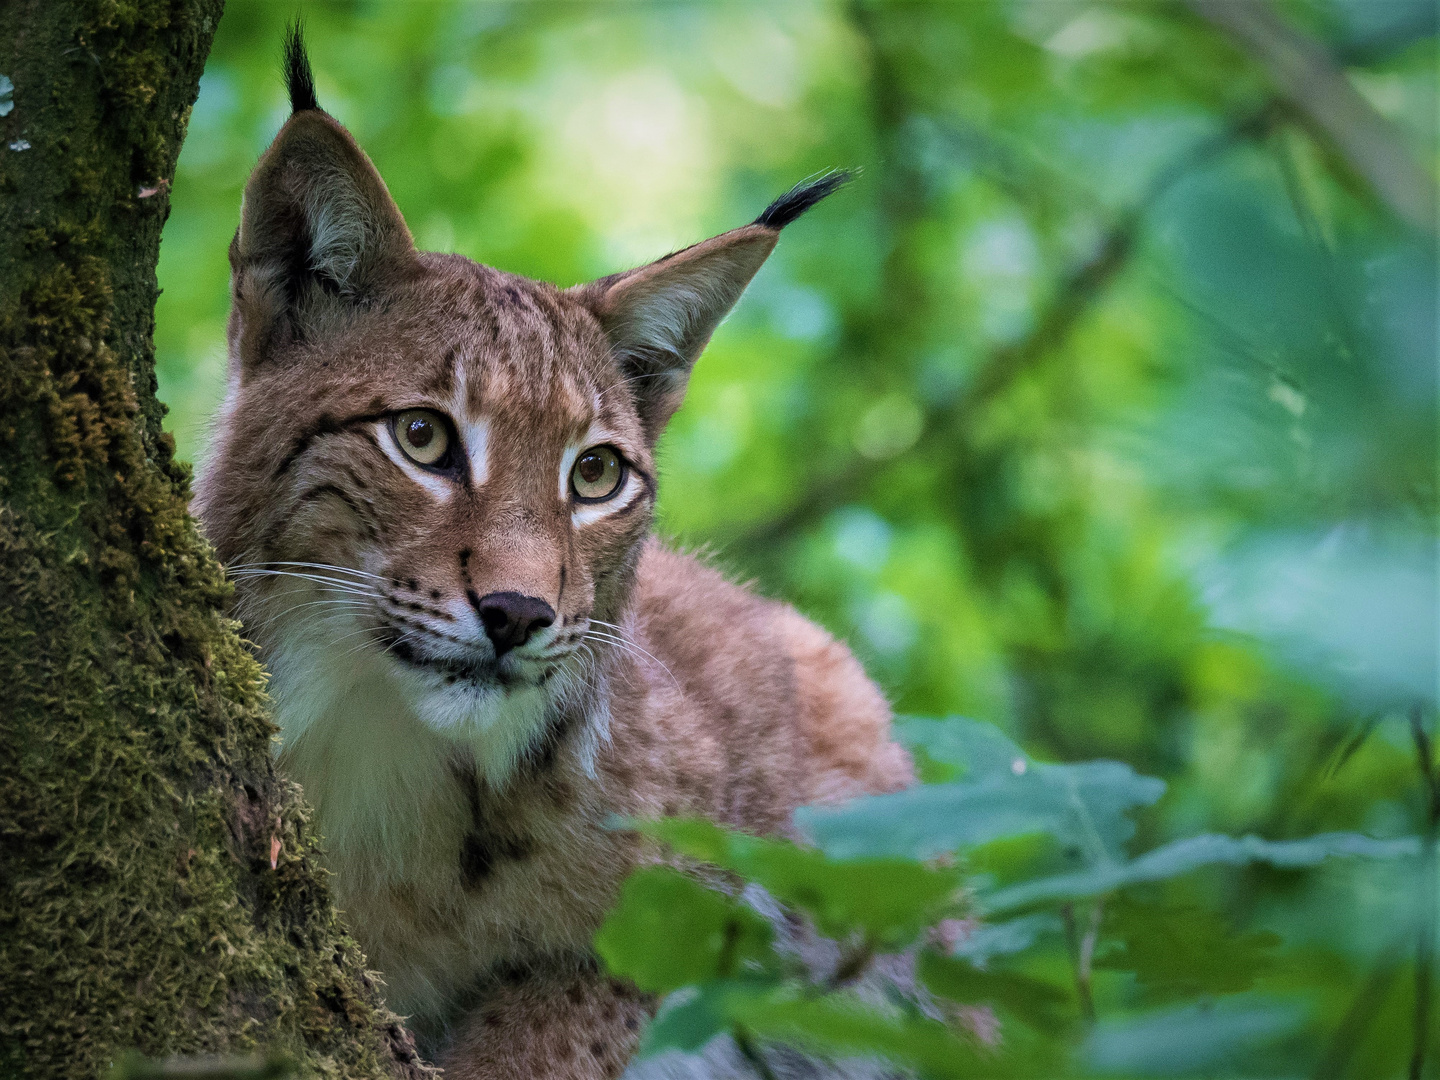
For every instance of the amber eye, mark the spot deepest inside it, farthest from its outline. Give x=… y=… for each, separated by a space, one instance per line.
x=424 y=436
x=597 y=474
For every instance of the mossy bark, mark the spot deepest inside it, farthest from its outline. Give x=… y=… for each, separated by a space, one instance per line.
x=159 y=887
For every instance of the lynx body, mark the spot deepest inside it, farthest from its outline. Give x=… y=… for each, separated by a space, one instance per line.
x=433 y=482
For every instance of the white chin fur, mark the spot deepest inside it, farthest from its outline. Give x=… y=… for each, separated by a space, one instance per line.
x=327 y=692
x=497 y=723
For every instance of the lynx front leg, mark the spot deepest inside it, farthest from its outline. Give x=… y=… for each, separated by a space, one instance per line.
x=579 y=1026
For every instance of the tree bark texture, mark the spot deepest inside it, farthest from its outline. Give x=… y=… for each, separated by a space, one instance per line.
x=159 y=886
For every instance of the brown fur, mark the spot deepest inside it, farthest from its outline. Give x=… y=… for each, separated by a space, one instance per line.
x=464 y=793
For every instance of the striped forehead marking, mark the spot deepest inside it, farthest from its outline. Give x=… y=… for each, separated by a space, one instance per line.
x=471 y=424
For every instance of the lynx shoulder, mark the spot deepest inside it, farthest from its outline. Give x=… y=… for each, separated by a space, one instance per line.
x=433 y=483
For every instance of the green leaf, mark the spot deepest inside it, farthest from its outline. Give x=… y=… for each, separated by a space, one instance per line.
x=689 y=1018
x=980 y=751
x=1039 y=1004
x=1190 y=1039
x=891 y=901
x=833 y=1025
x=840 y=1025
x=990 y=939
x=1182 y=856
x=698 y=838
x=932 y=770
x=1184 y=951
x=1084 y=807
x=669 y=931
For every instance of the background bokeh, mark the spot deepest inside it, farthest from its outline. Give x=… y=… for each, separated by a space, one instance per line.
x=1102 y=406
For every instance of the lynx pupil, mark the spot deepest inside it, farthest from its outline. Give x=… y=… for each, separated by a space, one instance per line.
x=592 y=468
x=420 y=432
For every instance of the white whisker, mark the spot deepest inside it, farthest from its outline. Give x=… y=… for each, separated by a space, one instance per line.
x=624 y=635
x=333 y=584
x=308 y=565
x=633 y=649
x=339 y=605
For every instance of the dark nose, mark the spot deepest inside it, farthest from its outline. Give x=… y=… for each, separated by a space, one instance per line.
x=509 y=618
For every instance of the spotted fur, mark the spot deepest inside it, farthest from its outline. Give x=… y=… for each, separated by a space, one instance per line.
x=463 y=791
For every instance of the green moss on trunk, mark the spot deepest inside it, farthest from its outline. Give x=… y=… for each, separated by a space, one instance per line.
x=158 y=882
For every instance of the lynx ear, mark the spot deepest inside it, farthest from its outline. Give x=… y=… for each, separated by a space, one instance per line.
x=319 y=234
x=659 y=317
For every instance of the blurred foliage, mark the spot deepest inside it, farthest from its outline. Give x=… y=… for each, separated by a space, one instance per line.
x=1103 y=408
x=1077 y=960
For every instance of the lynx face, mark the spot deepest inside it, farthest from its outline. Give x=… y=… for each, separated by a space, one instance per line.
x=431 y=479
x=470 y=455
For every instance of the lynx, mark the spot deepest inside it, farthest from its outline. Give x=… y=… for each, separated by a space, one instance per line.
x=433 y=483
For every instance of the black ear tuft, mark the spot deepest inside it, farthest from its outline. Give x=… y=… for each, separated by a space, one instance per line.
x=299 y=79
x=802 y=197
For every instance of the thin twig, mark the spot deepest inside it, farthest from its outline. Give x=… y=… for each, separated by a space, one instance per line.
x=1087 y=950
x=752 y=1053
x=1360 y=1015
x=1075 y=947
x=725 y=965
x=853 y=963
x=1330 y=106
x=1425 y=937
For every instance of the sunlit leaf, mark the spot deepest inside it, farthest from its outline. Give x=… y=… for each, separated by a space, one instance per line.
x=669 y=931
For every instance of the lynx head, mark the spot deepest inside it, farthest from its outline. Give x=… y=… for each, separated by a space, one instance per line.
x=430 y=468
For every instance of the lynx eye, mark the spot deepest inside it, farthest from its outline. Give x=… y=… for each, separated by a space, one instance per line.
x=597 y=474
x=424 y=436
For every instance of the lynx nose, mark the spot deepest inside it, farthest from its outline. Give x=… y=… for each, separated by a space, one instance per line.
x=509 y=618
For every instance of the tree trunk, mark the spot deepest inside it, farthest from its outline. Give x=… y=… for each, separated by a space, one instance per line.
x=159 y=887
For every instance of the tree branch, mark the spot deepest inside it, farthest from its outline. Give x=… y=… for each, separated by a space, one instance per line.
x=1325 y=99
x=1076 y=292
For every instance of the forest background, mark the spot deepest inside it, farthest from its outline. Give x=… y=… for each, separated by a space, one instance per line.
x=1101 y=408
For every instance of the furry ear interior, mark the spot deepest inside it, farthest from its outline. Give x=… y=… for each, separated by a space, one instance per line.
x=660 y=317
x=319 y=233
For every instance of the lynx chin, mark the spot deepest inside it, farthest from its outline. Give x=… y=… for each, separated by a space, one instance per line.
x=433 y=483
